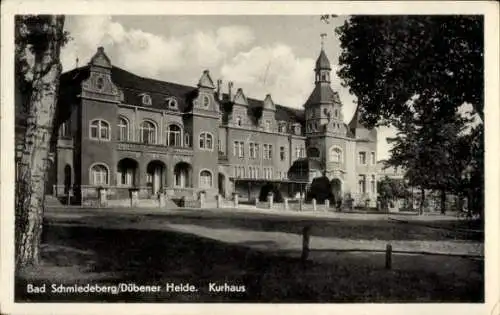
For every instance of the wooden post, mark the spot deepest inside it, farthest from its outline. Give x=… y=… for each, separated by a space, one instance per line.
x=306 y=231
x=388 y=256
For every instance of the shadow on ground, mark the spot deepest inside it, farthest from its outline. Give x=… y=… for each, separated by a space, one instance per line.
x=82 y=254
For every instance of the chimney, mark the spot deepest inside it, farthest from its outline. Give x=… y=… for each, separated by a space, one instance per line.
x=219 y=89
x=230 y=90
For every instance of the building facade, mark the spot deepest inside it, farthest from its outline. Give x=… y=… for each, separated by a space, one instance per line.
x=122 y=132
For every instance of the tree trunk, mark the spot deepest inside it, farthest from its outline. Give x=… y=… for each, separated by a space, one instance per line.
x=37 y=135
x=443 y=201
x=422 y=200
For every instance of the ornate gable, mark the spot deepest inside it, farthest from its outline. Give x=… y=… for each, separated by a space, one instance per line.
x=240 y=98
x=206 y=81
x=100 y=59
x=268 y=103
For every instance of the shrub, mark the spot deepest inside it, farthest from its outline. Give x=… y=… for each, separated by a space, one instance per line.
x=321 y=189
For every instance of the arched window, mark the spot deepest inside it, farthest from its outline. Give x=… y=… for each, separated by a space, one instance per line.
x=335 y=155
x=205 y=179
x=123 y=131
x=174 y=135
x=313 y=152
x=238 y=121
x=206 y=101
x=99 y=130
x=99 y=174
x=148 y=132
x=206 y=141
x=171 y=102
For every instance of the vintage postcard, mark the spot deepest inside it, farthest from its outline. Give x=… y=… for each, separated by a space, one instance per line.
x=222 y=157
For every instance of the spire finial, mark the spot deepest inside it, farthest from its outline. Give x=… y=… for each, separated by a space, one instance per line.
x=323 y=36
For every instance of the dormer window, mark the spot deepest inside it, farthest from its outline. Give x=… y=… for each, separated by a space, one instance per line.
x=297 y=129
x=267 y=125
x=238 y=121
x=172 y=103
x=282 y=127
x=146 y=99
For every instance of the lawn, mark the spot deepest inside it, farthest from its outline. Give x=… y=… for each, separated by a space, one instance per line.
x=78 y=250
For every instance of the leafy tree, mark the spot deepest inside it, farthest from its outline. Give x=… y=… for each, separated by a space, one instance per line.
x=414 y=73
x=38 y=40
x=387 y=60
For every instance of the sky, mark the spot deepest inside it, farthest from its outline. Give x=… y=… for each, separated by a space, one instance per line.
x=260 y=54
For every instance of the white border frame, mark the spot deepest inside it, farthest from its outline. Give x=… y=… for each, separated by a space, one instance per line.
x=490 y=9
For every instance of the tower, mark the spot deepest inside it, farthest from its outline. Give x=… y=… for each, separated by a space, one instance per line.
x=325 y=128
x=323 y=109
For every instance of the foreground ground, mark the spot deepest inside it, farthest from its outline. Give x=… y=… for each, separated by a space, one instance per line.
x=260 y=251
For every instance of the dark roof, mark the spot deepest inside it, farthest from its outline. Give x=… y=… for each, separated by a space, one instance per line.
x=133 y=86
x=322 y=62
x=322 y=94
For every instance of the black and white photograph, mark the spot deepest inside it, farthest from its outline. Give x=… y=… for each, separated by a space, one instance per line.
x=277 y=158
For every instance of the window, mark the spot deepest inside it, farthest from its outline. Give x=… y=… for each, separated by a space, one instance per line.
x=373 y=184
x=362 y=157
x=281 y=127
x=336 y=113
x=238 y=149
x=174 y=135
x=267 y=125
x=302 y=152
x=239 y=171
x=297 y=129
x=297 y=152
x=268 y=173
x=148 y=132
x=362 y=184
x=268 y=151
x=238 y=121
x=205 y=179
x=206 y=141
x=171 y=102
x=187 y=140
x=99 y=83
x=336 y=155
x=372 y=158
x=206 y=101
x=251 y=150
x=99 y=130
x=99 y=174
x=146 y=99
x=282 y=153
x=123 y=129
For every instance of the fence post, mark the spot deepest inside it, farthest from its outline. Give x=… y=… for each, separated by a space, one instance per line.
x=327 y=204
x=388 y=256
x=285 y=201
x=306 y=235
x=314 y=204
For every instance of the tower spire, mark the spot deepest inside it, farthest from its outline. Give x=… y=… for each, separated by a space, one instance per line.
x=323 y=36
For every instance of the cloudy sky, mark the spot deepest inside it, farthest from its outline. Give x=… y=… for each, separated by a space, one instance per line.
x=260 y=54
